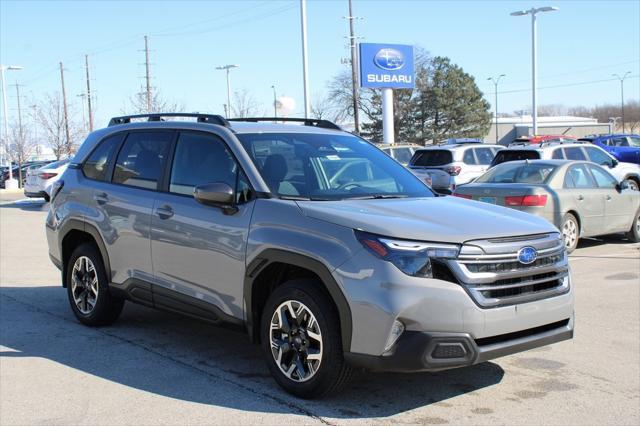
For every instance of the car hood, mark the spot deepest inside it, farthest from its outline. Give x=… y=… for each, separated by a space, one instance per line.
x=438 y=219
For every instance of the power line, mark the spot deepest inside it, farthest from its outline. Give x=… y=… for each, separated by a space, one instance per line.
x=556 y=86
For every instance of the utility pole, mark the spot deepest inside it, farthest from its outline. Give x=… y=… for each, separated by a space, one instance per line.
x=90 y=111
x=622 y=93
x=147 y=72
x=226 y=68
x=495 y=82
x=66 y=111
x=354 y=69
x=275 y=102
x=84 y=118
x=20 y=136
x=305 y=61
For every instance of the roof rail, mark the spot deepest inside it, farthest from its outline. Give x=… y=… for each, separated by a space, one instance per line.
x=201 y=118
x=314 y=122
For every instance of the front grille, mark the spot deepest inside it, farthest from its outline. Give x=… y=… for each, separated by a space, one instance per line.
x=493 y=276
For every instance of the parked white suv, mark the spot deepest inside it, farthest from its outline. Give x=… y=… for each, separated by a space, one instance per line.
x=461 y=163
x=628 y=172
x=401 y=152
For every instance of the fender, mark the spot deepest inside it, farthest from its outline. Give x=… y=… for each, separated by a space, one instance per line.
x=80 y=225
x=269 y=256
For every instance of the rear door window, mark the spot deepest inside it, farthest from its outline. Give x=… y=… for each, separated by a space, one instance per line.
x=432 y=157
x=468 y=157
x=142 y=158
x=557 y=154
x=581 y=177
x=97 y=165
x=619 y=142
x=574 y=153
x=506 y=155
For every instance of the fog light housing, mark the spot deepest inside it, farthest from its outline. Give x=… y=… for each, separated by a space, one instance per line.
x=396 y=331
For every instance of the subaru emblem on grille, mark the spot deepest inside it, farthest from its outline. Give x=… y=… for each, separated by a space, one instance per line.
x=527 y=255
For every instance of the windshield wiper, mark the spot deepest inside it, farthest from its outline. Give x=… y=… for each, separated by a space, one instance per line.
x=377 y=197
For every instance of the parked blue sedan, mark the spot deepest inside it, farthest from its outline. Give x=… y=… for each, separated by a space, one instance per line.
x=624 y=147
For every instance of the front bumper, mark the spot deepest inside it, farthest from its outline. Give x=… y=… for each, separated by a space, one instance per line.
x=434 y=351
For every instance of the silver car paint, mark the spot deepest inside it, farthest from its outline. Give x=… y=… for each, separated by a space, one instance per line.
x=212 y=251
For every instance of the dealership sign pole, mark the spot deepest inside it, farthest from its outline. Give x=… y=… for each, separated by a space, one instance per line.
x=386 y=67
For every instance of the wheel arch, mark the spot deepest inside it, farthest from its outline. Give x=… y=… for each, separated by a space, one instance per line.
x=271 y=268
x=75 y=232
x=574 y=213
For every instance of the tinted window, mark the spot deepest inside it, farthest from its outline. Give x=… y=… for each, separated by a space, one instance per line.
x=141 y=159
x=619 y=142
x=403 y=155
x=598 y=157
x=532 y=173
x=515 y=155
x=328 y=167
x=485 y=155
x=432 y=157
x=557 y=154
x=581 y=178
x=468 y=157
x=603 y=178
x=97 y=165
x=574 y=153
x=201 y=158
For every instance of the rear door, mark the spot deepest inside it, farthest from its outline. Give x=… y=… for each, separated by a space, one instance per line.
x=198 y=250
x=618 y=206
x=471 y=168
x=588 y=199
x=122 y=208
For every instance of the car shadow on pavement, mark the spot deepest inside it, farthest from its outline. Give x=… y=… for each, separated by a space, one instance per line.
x=28 y=204
x=614 y=239
x=176 y=357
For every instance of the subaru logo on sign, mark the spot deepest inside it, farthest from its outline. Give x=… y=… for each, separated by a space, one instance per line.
x=527 y=255
x=389 y=59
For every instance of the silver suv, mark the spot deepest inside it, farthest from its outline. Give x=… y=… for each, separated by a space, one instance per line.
x=313 y=241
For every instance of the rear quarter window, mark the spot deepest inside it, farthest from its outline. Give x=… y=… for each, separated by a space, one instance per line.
x=98 y=163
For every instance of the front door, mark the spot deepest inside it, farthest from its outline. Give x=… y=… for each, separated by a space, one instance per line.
x=618 y=205
x=198 y=251
x=588 y=199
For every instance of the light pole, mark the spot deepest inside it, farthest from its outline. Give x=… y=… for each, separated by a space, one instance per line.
x=275 y=102
x=10 y=183
x=227 y=68
x=495 y=82
x=305 y=61
x=534 y=57
x=622 y=93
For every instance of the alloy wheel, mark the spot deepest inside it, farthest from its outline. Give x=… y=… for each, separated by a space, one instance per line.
x=296 y=341
x=570 y=233
x=84 y=285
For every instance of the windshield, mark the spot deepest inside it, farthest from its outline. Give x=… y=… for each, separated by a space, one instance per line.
x=532 y=173
x=514 y=155
x=432 y=157
x=328 y=167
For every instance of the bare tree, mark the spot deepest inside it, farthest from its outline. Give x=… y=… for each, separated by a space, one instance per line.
x=138 y=104
x=20 y=147
x=245 y=105
x=550 y=110
x=324 y=108
x=607 y=111
x=50 y=116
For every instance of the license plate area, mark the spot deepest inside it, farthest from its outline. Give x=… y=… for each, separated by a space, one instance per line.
x=490 y=200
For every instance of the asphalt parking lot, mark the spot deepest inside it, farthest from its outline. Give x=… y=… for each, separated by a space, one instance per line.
x=153 y=367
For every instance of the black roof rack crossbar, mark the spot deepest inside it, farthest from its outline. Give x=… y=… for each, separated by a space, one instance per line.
x=201 y=118
x=314 y=122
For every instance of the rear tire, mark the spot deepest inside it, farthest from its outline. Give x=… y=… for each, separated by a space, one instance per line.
x=570 y=232
x=303 y=350
x=88 y=288
x=634 y=232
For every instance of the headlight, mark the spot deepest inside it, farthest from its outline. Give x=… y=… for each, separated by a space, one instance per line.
x=411 y=257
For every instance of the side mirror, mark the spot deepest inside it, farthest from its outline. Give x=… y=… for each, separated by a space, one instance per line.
x=622 y=186
x=217 y=194
x=614 y=162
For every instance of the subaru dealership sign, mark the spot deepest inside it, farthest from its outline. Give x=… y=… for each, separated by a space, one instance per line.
x=386 y=66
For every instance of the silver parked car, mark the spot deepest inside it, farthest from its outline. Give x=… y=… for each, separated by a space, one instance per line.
x=581 y=198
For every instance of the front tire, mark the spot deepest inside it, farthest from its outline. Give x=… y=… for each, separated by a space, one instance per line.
x=632 y=184
x=570 y=231
x=88 y=288
x=634 y=232
x=301 y=340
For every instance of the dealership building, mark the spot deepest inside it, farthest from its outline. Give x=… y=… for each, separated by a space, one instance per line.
x=510 y=128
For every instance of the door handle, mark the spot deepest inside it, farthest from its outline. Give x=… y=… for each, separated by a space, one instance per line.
x=580 y=197
x=101 y=198
x=164 y=212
